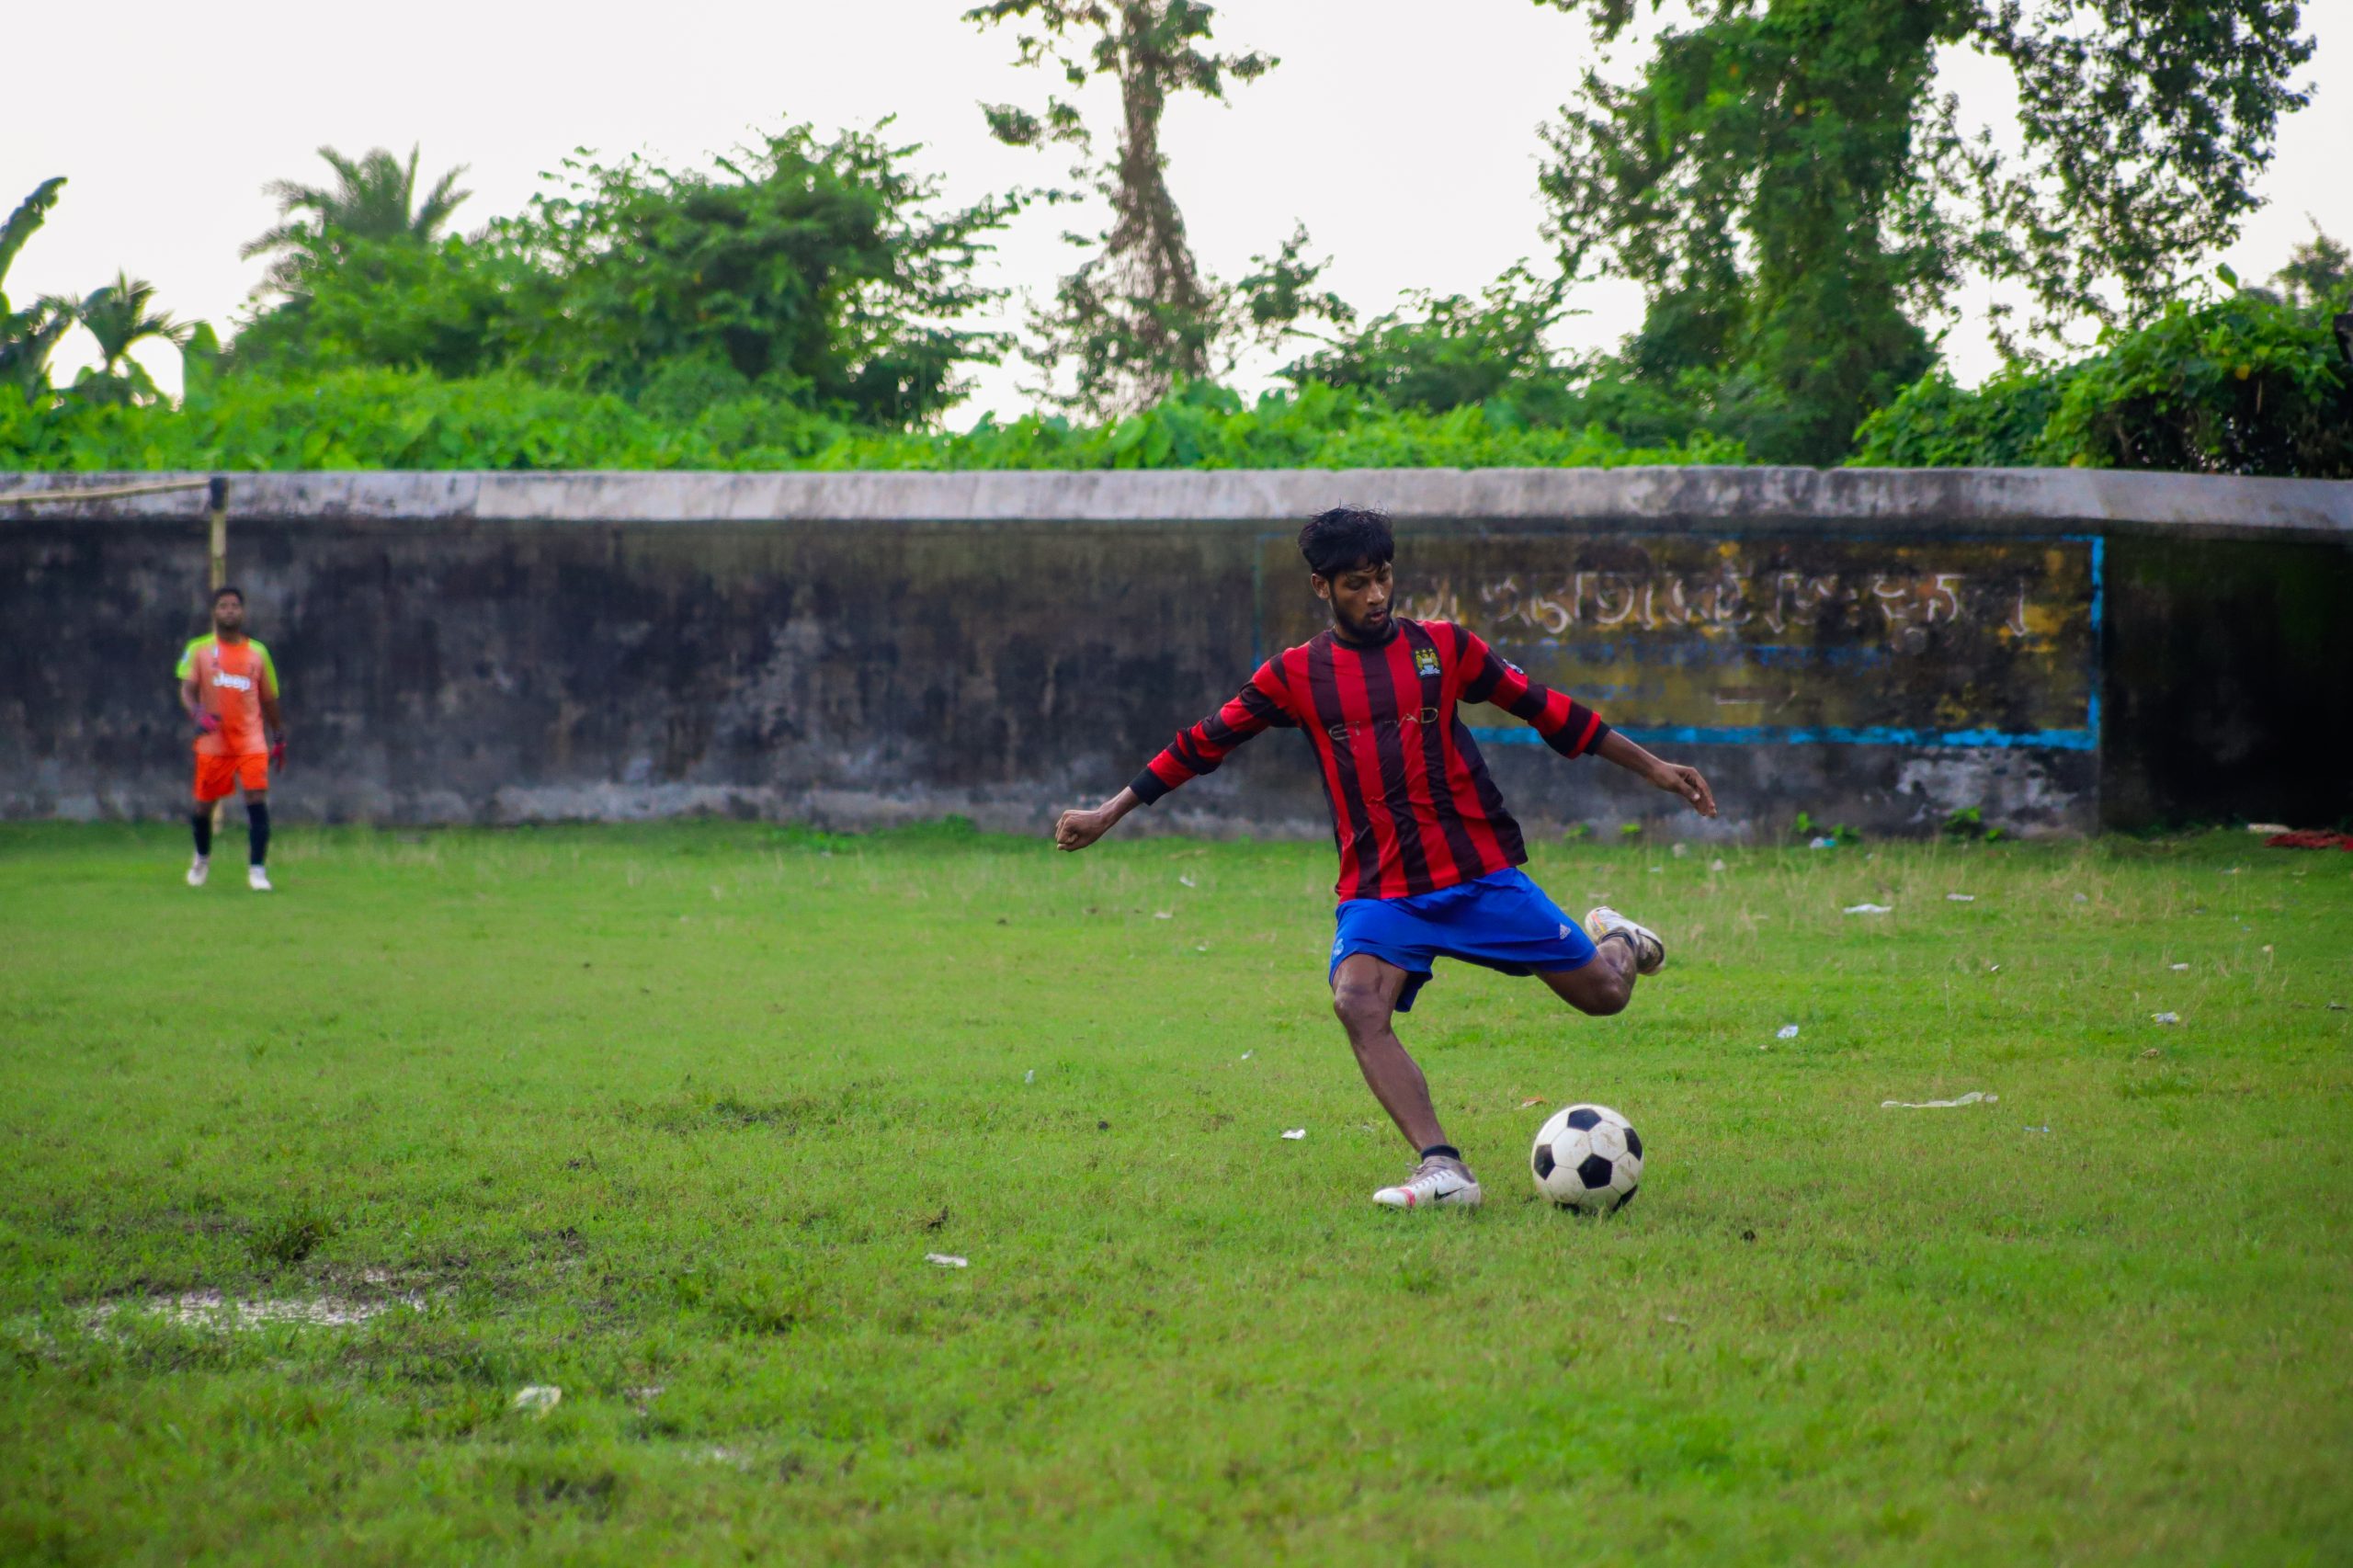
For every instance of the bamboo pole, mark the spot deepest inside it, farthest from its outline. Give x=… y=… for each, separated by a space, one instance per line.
x=111 y=492
x=217 y=515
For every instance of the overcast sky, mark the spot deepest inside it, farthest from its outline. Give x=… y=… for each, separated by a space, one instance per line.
x=1404 y=136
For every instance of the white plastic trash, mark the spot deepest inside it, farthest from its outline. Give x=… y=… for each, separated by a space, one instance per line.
x=946 y=1260
x=1787 y=1031
x=1870 y=909
x=1961 y=897
x=1295 y=1133
x=1974 y=1097
x=539 y=1399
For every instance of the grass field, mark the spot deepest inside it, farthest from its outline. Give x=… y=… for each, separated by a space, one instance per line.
x=669 y=1118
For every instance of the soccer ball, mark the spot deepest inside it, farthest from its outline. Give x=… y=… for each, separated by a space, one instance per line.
x=1587 y=1157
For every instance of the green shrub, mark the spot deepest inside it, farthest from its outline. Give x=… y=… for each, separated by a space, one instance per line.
x=379 y=418
x=2247 y=384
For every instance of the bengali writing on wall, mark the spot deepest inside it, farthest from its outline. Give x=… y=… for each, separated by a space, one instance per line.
x=1974 y=640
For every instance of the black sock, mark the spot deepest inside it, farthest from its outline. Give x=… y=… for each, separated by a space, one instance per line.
x=200 y=823
x=1441 y=1151
x=257 y=840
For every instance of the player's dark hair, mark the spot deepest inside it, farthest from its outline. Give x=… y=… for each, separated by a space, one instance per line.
x=226 y=589
x=1345 y=538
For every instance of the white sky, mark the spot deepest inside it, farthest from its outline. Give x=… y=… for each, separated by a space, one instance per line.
x=1405 y=135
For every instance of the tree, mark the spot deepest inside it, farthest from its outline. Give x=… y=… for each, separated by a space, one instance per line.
x=457 y=308
x=1437 y=352
x=824 y=273
x=2319 y=272
x=373 y=197
x=29 y=336
x=120 y=316
x=1801 y=201
x=1140 y=315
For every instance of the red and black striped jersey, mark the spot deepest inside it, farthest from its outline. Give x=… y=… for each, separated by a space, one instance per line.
x=1412 y=808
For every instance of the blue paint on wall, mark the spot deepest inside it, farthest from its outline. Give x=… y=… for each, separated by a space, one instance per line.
x=1827 y=734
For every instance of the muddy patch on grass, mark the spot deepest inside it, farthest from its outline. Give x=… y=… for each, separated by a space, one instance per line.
x=217 y=1309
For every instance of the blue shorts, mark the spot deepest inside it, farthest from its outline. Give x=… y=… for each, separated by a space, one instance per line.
x=1503 y=921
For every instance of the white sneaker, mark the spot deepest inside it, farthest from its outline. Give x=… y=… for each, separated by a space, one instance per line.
x=256 y=878
x=1650 y=953
x=197 y=870
x=1434 y=1182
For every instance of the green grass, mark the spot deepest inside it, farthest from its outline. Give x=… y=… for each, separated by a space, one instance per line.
x=685 y=1108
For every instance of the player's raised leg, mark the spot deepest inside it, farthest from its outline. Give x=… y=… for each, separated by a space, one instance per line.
x=1605 y=983
x=1364 y=996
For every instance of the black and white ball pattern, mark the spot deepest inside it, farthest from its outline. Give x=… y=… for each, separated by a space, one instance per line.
x=1589 y=1158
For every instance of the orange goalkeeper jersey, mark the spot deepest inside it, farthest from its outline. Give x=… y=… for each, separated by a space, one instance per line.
x=230 y=680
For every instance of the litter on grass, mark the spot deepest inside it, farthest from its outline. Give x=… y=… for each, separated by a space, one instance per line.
x=539 y=1399
x=1974 y=1097
x=1787 y=1031
x=1961 y=897
x=946 y=1260
x=1030 y=1076
x=2166 y=1018
x=1188 y=881
x=2082 y=899
x=1525 y=1104
x=2179 y=967
x=1681 y=850
x=2037 y=1129
x=1870 y=909
x=1715 y=865
x=2309 y=839
x=2268 y=828
x=1248 y=1054
x=1823 y=844
x=1162 y=915
x=1296 y=1133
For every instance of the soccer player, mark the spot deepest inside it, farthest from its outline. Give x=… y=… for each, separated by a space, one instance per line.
x=229 y=689
x=1429 y=857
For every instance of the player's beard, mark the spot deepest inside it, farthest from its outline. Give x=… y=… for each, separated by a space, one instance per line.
x=1358 y=632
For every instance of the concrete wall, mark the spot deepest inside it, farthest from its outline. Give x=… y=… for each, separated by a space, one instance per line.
x=2057 y=648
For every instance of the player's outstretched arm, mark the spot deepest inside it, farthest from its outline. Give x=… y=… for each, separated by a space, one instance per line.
x=1675 y=778
x=1259 y=706
x=1077 y=829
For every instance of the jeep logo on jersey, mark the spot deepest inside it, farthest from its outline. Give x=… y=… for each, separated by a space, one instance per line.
x=1426 y=661
x=235 y=683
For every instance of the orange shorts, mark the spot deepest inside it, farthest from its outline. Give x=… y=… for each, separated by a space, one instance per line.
x=216 y=776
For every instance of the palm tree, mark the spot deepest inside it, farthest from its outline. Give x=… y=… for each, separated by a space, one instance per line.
x=373 y=197
x=119 y=316
x=27 y=337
